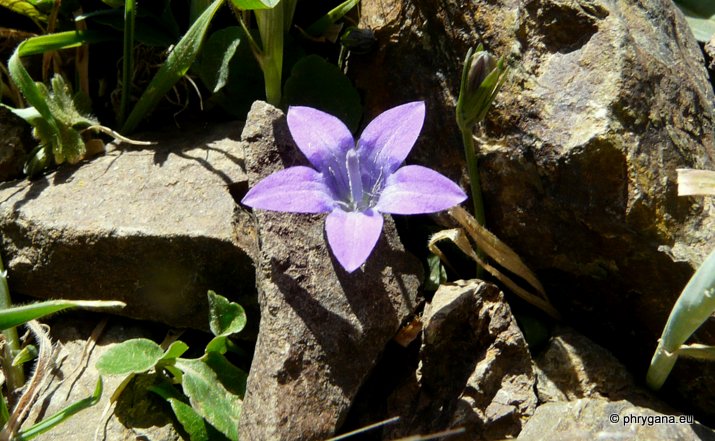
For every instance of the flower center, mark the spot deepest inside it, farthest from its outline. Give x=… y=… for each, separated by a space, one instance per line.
x=352 y=166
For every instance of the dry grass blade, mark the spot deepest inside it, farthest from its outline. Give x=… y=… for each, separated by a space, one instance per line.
x=365 y=429
x=45 y=358
x=497 y=250
x=436 y=435
x=695 y=182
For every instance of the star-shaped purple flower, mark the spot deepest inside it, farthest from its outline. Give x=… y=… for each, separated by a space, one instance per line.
x=355 y=182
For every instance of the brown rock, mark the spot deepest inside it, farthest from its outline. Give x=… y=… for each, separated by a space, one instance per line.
x=606 y=99
x=321 y=329
x=475 y=369
x=151 y=227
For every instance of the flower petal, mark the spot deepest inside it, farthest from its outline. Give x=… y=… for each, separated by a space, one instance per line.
x=414 y=189
x=295 y=189
x=320 y=136
x=352 y=236
x=389 y=137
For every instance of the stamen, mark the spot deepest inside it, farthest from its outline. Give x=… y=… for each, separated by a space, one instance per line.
x=352 y=163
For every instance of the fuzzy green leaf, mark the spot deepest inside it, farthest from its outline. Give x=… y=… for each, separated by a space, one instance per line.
x=248 y=5
x=209 y=397
x=176 y=350
x=130 y=357
x=25 y=8
x=216 y=56
x=225 y=318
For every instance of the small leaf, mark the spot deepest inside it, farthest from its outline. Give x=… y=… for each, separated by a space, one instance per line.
x=700 y=15
x=194 y=424
x=248 y=5
x=316 y=83
x=233 y=378
x=437 y=274
x=218 y=51
x=225 y=318
x=209 y=397
x=176 y=350
x=24 y=7
x=27 y=353
x=130 y=357
x=318 y=28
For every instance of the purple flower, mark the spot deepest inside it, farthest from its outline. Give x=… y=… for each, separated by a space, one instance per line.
x=355 y=182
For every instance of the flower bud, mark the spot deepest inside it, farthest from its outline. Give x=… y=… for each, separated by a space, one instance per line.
x=482 y=77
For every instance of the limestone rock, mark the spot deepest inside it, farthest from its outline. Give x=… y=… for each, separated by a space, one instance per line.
x=321 y=329
x=594 y=418
x=138 y=414
x=151 y=226
x=606 y=99
x=475 y=369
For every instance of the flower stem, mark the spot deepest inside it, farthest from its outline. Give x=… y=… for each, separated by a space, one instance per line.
x=14 y=374
x=271 y=27
x=475 y=185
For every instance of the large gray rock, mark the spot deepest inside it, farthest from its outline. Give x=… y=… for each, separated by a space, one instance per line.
x=605 y=100
x=151 y=226
x=475 y=369
x=321 y=329
x=592 y=418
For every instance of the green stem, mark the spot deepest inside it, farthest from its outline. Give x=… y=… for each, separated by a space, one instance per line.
x=14 y=374
x=271 y=27
x=128 y=60
x=473 y=170
x=476 y=187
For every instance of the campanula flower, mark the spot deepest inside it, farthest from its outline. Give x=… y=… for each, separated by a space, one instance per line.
x=355 y=181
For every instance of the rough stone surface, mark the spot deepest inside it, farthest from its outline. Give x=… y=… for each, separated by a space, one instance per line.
x=152 y=227
x=321 y=329
x=138 y=413
x=592 y=419
x=15 y=142
x=606 y=99
x=475 y=369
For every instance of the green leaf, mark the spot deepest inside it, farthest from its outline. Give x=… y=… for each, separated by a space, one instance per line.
x=64 y=414
x=27 y=353
x=316 y=83
x=437 y=274
x=193 y=423
x=209 y=397
x=176 y=350
x=175 y=67
x=694 y=306
x=18 y=315
x=25 y=8
x=225 y=318
x=700 y=15
x=130 y=357
x=320 y=26
x=248 y=5
x=233 y=378
x=220 y=47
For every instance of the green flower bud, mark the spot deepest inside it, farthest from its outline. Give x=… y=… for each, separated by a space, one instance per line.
x=482 y=77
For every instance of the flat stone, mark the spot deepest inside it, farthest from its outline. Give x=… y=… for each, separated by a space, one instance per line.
x=150 y=226
x=475 y=369
x=593 y=418
x=138 y=414
x=321 y=328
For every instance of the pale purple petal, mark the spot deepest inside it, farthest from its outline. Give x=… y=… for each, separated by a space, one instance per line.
x=352 y=236
x=295 y=189
x=414 y=189
x=320 y=136
x=388 y=139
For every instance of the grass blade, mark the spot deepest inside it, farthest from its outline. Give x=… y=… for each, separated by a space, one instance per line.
x=128 y=60
x=18 y=315
x=177 y=64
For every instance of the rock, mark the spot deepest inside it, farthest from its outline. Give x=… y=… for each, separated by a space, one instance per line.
x=138 y=414
x=321 y=329
x=151 y=226
x=606 y=99
x=475 y=369
x=594 y=418
x=14 y=144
